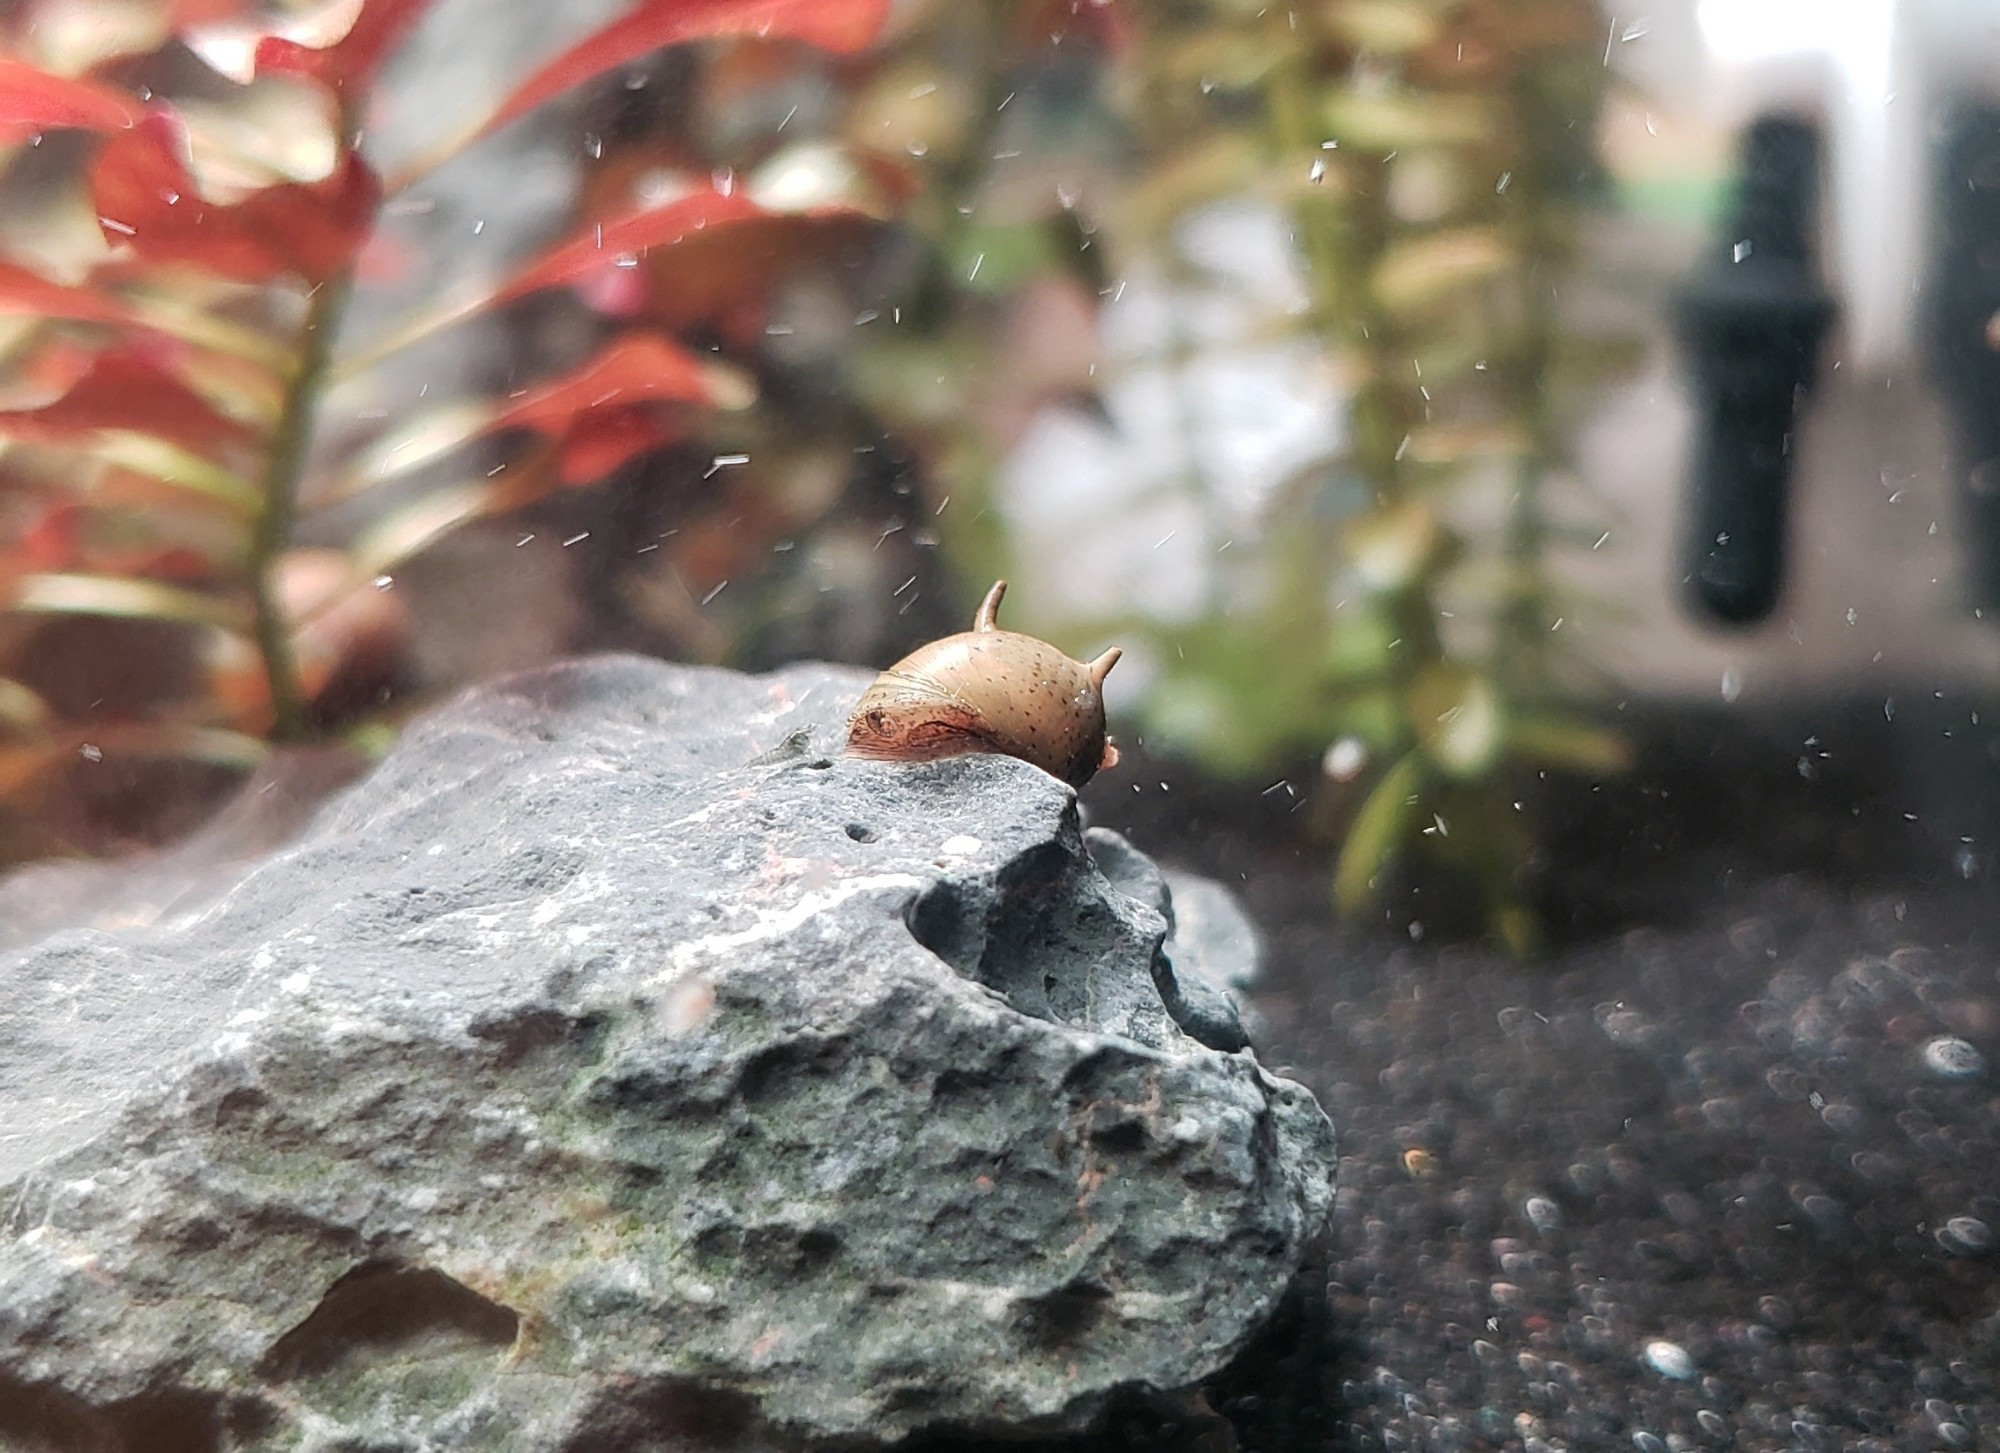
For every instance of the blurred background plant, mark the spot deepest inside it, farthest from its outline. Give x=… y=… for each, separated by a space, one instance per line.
x=1385 y=605
x=1393 y=610
x=824 y=266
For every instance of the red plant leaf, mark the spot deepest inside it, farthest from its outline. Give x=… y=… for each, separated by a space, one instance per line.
x=614 y=292
x=52 y=368
x=123 y=391
x=600 y=413
x=33 y=100
x=635 y=369
x=599 y=442
x=146 y=196
x=840 y=26
x=352 y=60
x=619 y=401
x=22 y=291
x=632 y=236
x=170 y=564
x=54 y=540
x=725 y=281
x=387 y=258
x=187 y=13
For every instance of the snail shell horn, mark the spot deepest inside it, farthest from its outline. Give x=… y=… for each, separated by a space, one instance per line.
x=1099 y=669
x=986 y=618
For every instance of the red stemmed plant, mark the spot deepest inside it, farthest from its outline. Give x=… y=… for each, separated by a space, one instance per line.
x=160 y=369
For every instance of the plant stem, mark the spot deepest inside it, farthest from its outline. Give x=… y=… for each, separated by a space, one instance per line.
x=1523 y=635
x=273 y=531
x=1333 y=297
x=1343 y=235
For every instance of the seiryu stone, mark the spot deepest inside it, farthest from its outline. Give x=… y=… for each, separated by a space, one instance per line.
x=616 y=1069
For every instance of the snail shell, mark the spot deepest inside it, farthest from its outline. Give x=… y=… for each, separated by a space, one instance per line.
x=989 y=690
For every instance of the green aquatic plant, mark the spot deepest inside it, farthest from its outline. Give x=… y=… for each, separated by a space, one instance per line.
x=1402 y=614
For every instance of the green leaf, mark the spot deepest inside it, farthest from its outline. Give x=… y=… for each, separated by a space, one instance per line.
x=1226 y=57
x=1568 y=743
x=1209 y=166
x=1385 y=27
x=1377 y=834
x=1406 y=120
x=996 y=259
x=21 y=709
x=177 y=739
x=1452 y=356
x=1489 y=842
x=1458 y=443
x=106 y=595
x=410 y=445
x=1359 y=647
x=916 y=382
x=372 y=739
x=1391 y=547
x=1600 y=358
x=1517 y=927
x=1459 y=718
x=172 y=465
x=1425 y=269
x=404 y=531
x=183 y=316
x=1375 y=716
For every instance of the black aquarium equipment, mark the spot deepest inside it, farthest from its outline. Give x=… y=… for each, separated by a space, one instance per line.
x=1750 y=321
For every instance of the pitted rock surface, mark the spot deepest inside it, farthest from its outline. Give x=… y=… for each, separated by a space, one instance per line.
x=616 y=1067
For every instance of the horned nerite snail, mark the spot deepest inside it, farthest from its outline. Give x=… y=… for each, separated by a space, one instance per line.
x=989 y=690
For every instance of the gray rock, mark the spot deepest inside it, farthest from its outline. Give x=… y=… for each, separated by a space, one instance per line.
x=617 y=1068
x=1212 y=933
x=1196 y=970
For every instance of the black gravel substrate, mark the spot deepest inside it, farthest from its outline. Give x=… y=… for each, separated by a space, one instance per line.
x=1726 y=1181
x=1737 y=1186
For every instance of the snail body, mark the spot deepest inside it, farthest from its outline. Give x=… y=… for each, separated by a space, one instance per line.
x=989 y=690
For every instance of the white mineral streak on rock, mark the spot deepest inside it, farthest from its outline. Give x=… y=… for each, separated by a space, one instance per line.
x=776 y=923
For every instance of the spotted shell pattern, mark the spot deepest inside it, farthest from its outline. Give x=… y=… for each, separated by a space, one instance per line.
x=989 y=690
